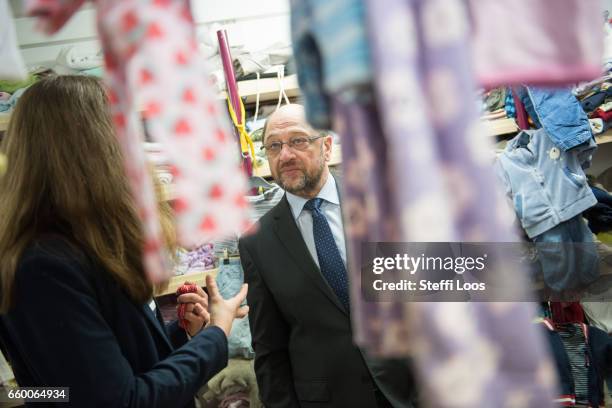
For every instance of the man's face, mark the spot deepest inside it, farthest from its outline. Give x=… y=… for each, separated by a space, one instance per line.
x=296 y=171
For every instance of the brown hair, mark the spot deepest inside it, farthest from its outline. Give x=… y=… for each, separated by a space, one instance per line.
x=65 y=175
x=168 y=229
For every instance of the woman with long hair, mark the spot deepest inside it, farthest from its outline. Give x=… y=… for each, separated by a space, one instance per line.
x=76 y=308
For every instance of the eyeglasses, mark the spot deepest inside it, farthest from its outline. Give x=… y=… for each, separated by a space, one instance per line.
x=297 y=143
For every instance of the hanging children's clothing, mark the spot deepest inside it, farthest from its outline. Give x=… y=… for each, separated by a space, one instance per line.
x=583 y=356
x=152 y=63
x=8 y=104
x=367 y=185
x=12 y=66
x=560 y=114
x=417 y=168
x=547 y=185
x=568 y=256
x=331 y=52
x=549 y=191
x=536 y=42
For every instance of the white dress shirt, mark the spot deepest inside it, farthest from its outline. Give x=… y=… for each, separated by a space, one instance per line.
x=330 y=208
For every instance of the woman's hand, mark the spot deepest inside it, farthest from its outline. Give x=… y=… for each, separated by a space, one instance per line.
x=223 y=312
x=196 y=310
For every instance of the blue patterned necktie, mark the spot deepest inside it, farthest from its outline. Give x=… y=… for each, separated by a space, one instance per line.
x=330 y=261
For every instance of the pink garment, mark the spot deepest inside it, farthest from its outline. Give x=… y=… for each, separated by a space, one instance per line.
x=152 y=63
x=545 y=42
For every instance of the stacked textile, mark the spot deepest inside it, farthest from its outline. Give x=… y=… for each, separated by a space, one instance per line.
x=494 y=104
x=596 y=99
x=11 y=91
x=199 y=259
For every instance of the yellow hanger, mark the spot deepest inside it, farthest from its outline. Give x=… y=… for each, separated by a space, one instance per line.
x=246 y=143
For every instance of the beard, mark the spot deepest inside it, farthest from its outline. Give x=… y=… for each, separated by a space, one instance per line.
x=307 y=181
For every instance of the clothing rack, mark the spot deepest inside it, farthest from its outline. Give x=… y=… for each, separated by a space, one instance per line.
x=230 y=76
x=234 y=98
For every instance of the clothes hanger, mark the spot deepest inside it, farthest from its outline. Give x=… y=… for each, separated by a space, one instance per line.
x=281 y=93
x=257 y=97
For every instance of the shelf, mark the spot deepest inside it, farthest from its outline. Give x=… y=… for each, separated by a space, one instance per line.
x=199 y=278
x=605 y=137
x=500 y=127
x=269 y=89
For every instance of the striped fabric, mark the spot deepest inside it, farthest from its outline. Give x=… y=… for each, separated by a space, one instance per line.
x=574 y=341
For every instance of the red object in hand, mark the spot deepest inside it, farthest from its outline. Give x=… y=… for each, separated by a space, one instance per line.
x=193 y=288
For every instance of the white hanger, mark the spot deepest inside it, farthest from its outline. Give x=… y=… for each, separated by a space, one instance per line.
x=257 y=98
x=281 y=94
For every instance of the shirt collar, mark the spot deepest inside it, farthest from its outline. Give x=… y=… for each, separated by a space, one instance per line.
x=328 y=193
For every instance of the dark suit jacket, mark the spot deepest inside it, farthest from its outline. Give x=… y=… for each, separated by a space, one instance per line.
x=73 y=326
x=304 y=350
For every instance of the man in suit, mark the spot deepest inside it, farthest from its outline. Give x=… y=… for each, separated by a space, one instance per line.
x=295 y=264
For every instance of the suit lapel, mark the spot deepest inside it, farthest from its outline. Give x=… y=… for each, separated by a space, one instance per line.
x=290 y=236
x=156 y=325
